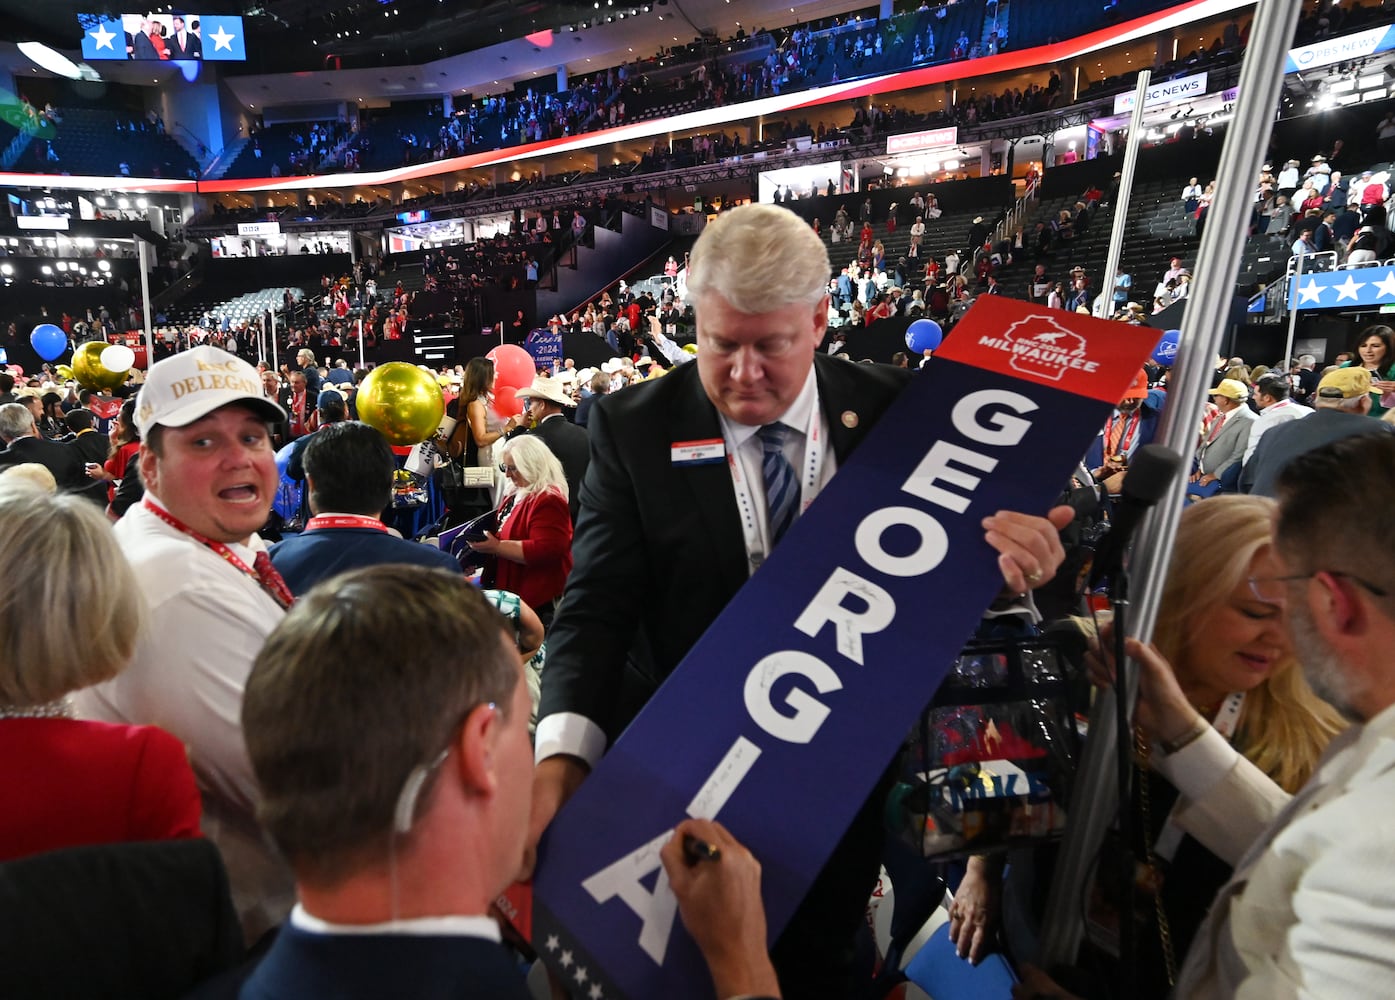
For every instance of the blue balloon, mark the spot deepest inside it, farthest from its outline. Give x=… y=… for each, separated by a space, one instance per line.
x=48 y=341
x=1165 y=353
x=4 y=356
x=924 y=335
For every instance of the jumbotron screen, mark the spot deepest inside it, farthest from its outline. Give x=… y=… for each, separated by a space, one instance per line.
x=162 y=37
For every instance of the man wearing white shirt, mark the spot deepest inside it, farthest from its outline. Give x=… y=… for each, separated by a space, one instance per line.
x=1272 y=396
x=210 y=475
x=684 y=537
x=1307 y=911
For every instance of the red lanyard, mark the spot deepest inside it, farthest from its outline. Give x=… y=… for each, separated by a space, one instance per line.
x=344 y=521
x=265 y=574
x=1126 y=433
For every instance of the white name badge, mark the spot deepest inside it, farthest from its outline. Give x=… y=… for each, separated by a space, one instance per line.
x=706 y=452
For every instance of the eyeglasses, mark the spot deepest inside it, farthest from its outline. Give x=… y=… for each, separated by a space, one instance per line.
x=1270 y=589
x=507 y=469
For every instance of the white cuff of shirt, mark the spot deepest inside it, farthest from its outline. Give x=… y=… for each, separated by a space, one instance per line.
x=569 y=733
x=1199 y=766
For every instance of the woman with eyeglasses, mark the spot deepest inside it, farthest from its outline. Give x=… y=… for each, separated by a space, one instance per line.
x=532 y=547
x=1220 y=666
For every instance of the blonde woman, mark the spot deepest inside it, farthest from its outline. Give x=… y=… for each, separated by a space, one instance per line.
x=533 y=544
x=1221 y=667
x=70 y=612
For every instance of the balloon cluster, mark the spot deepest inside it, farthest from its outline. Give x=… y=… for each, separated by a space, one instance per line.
x=402 y=401
x=99 y=365
x=514 y=369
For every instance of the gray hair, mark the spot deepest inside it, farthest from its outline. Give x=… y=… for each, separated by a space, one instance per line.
x=16 y=421
x=759 y=258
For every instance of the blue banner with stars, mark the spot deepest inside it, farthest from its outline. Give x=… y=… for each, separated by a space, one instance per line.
x=222 y=38
x=1353 y=288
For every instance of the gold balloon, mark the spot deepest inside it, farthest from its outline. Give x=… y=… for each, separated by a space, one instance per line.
x=64 y=372
x=89 y=370
x=401 y=401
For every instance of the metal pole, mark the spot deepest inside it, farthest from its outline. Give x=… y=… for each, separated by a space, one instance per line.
x=142 y=254
x=1292 y=312
x=1104 y=306
x=275 y=364
x=1209 y=302
x=361 y=362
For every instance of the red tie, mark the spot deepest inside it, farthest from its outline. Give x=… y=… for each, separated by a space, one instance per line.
x=271 y=580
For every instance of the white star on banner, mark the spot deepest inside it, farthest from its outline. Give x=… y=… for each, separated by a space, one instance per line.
x=1310 y=292
x=103 y=37
x=580 y=974
x=596 y=992
x=566 y=959
x=222 y=40
x=1386 y=285
x=552 y=943
x=1348 y=289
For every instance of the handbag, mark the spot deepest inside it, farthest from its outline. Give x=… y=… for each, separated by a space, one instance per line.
x=476 y=476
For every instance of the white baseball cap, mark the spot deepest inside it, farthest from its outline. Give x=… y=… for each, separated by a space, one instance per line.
x=192 y=384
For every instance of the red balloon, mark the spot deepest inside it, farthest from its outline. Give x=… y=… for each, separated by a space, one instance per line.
x=513 y=367
x=506 y=403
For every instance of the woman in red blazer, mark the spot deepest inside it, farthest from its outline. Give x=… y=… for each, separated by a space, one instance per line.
x=70 y=612
x=533 y=547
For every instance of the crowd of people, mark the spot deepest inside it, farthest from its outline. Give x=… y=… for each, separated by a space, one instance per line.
x=381 y=832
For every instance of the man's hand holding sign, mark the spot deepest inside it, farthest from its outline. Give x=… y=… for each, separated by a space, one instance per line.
x=767 y=726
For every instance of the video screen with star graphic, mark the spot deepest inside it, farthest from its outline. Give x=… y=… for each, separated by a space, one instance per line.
x=172 y=36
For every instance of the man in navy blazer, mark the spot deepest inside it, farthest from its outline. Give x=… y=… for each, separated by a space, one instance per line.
x=661 y=545
x=398 y=788
x=348 y=479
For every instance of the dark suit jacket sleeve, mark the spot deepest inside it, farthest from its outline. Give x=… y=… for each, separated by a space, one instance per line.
x=596 y=623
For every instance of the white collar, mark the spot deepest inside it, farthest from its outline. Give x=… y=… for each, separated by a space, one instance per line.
x=796 y=417
x=448 y=926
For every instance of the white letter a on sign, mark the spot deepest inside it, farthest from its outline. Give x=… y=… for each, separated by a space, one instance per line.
x=656 y=909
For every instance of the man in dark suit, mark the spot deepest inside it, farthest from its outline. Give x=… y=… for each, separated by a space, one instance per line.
x=348 y=468
x=24 y=445
x=662 y=546
x=544 y=401
x=91 y=448
x=183 y=43
x=403 y=811
x=141 y=45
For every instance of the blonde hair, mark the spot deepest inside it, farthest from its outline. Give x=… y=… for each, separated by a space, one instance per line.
x=759 y=258
x=70 y=609
x=1284 y=727
x=36 y=475
x=536 y=463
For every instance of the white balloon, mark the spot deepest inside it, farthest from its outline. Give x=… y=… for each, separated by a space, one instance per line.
x=117 y=358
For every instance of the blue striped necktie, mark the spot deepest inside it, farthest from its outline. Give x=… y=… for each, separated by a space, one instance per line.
x=781 y=486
